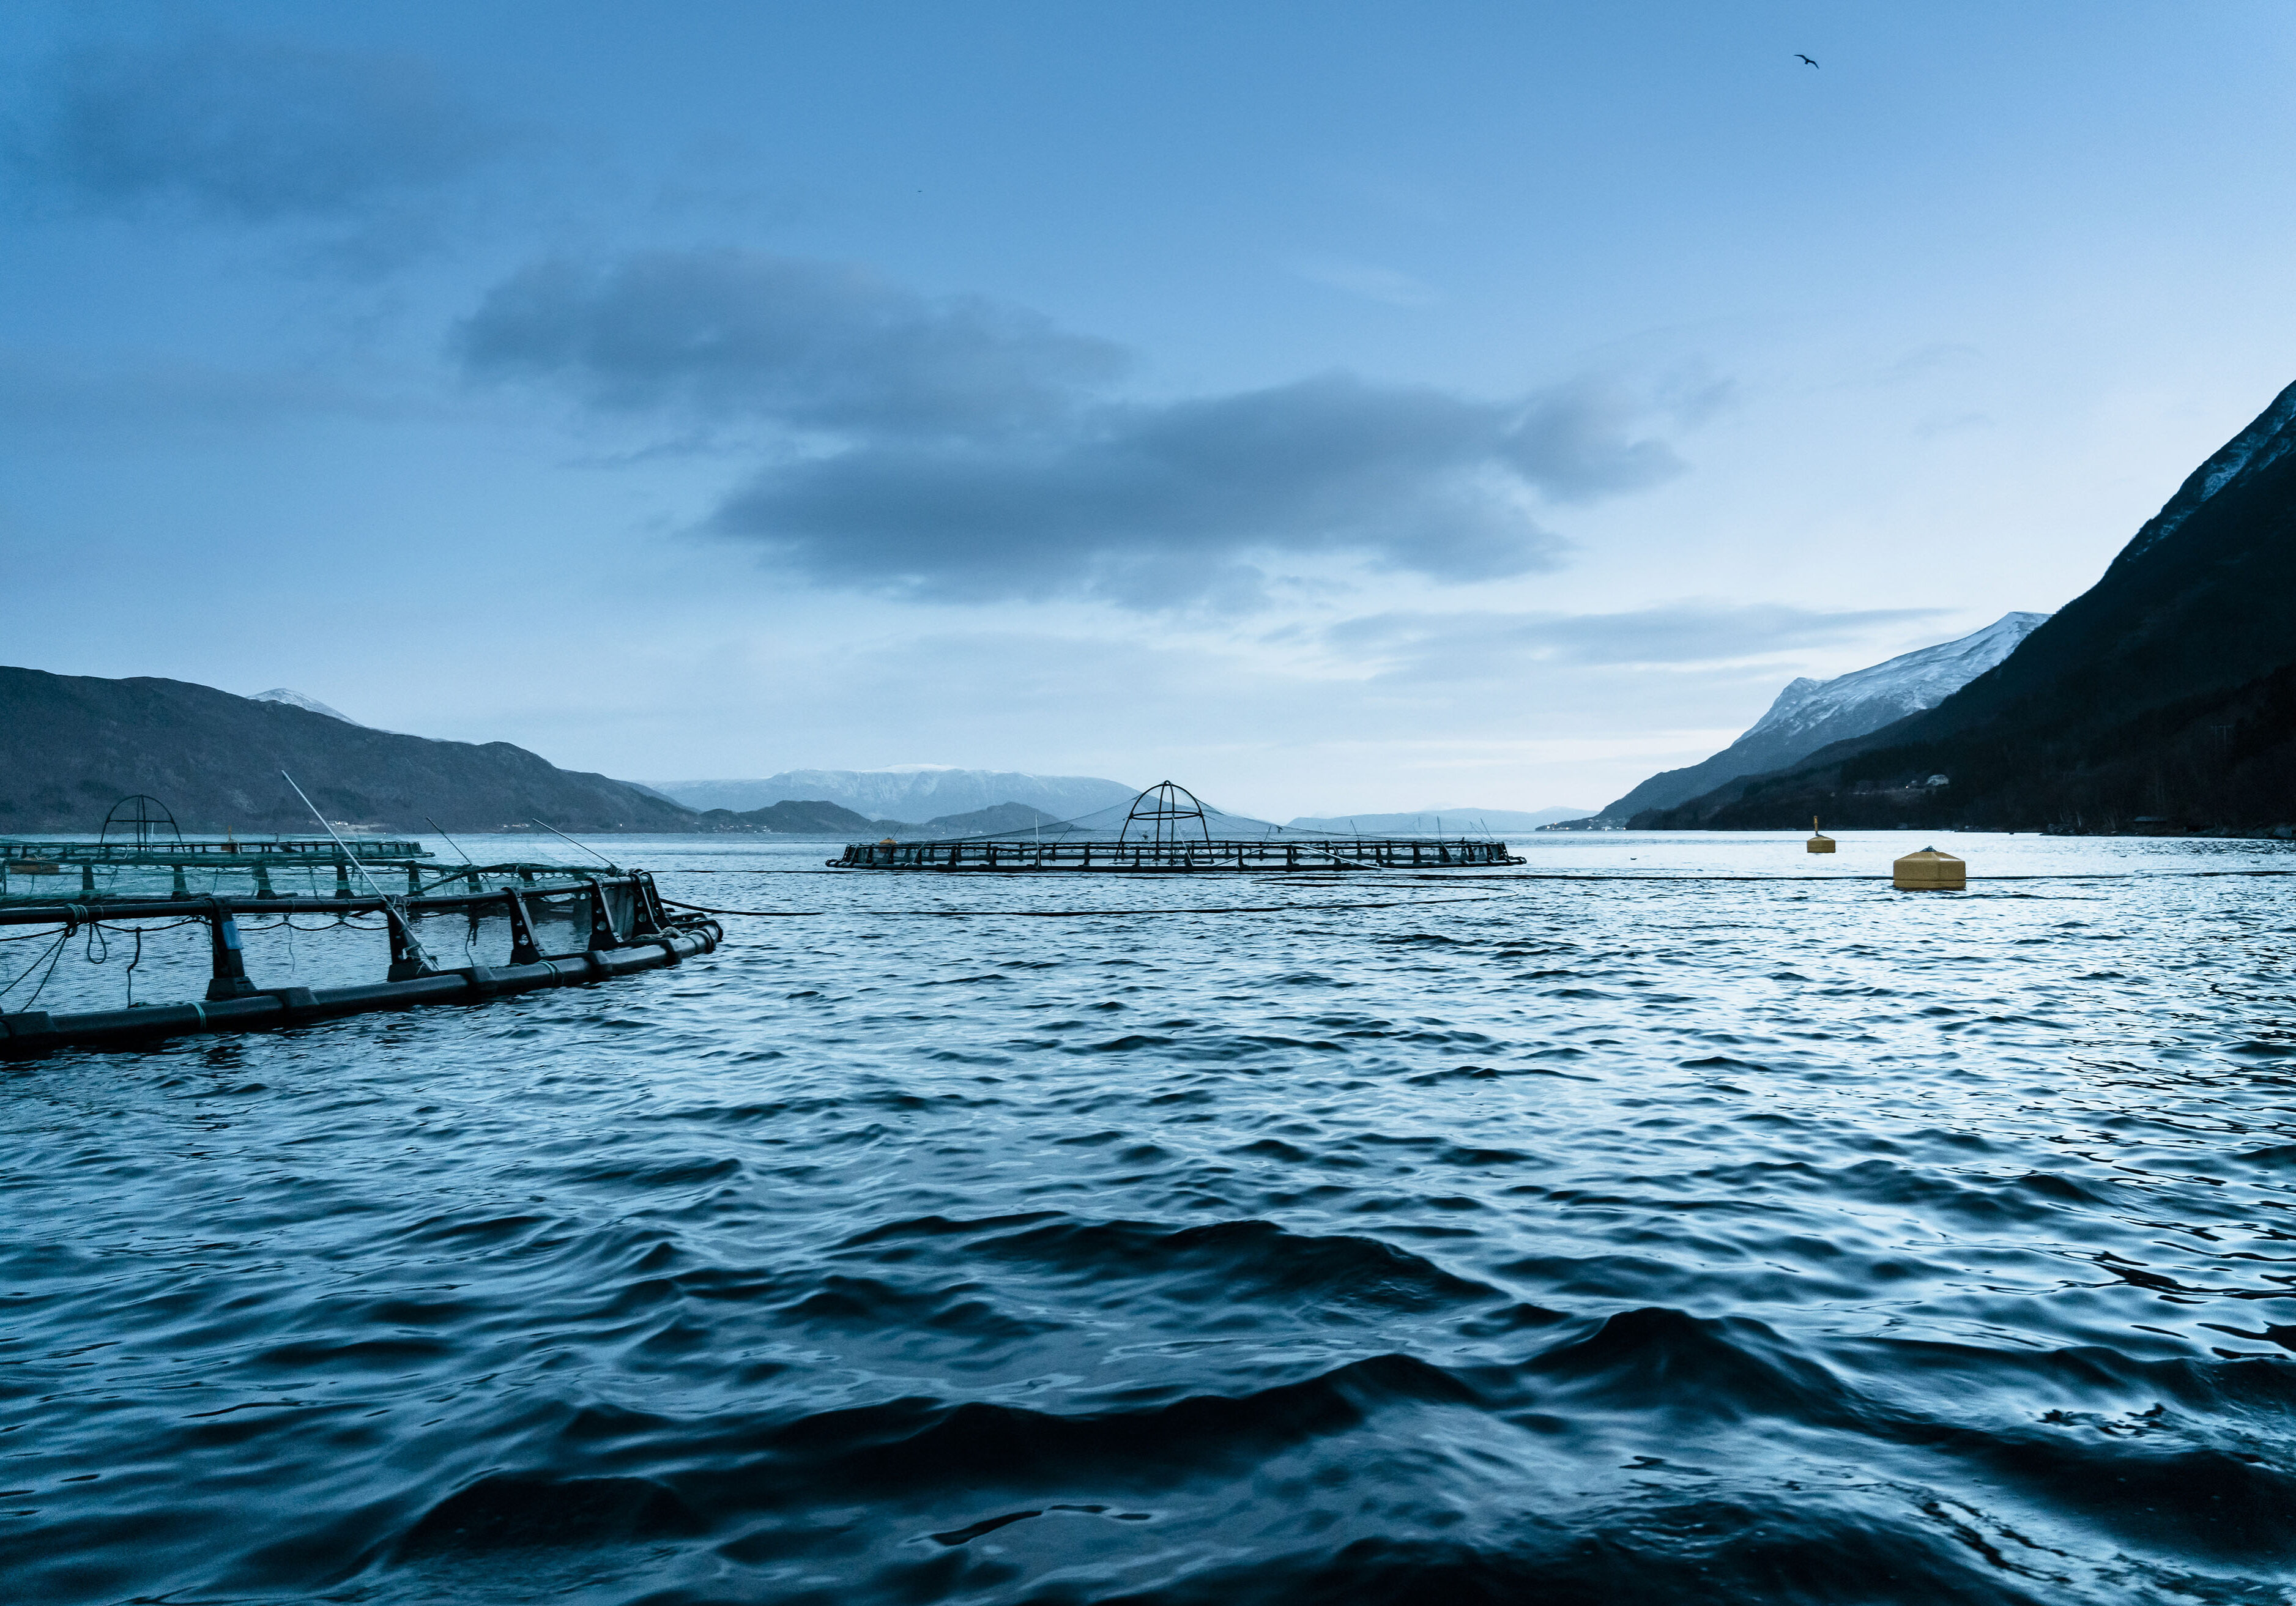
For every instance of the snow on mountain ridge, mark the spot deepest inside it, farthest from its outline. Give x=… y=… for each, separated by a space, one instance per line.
x=1812 y=714
x=297 y=699
x=2254 y=449
x=1898 y=686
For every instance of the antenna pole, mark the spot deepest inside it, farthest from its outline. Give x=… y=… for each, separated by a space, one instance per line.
x=391 y=906
x=451 y=842
x=593 y=852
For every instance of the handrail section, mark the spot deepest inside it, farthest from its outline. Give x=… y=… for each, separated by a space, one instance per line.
x=648 y=937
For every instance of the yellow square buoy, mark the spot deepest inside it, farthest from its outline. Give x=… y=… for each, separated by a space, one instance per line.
x=1819 y=842
x=1929 y=871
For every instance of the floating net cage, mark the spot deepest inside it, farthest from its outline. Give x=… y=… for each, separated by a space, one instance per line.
x=1167 y=828
x=163 y=934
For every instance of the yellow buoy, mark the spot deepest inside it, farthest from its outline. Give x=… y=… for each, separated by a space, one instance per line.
x=1819 y=842
x=1929 y=870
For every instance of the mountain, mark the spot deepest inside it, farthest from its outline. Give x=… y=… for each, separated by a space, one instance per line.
x=909 y=791
x=800 y=818
x=1812 y=714
x=2164 y=696
x=999 y=819
x=70 y=745
x=296 y=699
x=815 y=817
x=1437 y=822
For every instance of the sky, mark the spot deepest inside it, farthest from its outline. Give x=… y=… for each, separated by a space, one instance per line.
x=1334 y=407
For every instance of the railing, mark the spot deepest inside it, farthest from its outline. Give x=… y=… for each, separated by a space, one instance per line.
x=298 y=849
x=630 y=929
x=1263 y=853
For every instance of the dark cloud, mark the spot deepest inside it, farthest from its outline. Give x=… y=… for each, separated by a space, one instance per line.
x=1577 y=443
x=1681 y=636
x=252 y=131
x=956 y=448
x=813 y=345
x=1156 y=506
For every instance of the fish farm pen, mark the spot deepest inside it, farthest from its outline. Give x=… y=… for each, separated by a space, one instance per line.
x=1167 y=831
x=561 y=927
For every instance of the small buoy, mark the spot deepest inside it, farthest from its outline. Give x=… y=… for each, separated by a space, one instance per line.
x=1929 y=870
x=1819 y=842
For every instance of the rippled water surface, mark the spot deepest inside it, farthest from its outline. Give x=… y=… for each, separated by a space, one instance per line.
x=1235 y=1241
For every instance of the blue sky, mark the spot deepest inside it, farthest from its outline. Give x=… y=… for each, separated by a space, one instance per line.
x=1334 y=407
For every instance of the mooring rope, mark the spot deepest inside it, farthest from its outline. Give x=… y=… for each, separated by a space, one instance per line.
x=1075 y=913
x=54 y=956
x=1356 y=878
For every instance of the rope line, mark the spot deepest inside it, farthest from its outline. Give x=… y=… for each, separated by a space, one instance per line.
x=1356 y=879
x=1075 y=913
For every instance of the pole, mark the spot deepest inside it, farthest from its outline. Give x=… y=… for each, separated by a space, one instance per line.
x=404 y=928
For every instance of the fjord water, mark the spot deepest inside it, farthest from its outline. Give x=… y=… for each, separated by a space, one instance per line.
x=1496 y=1239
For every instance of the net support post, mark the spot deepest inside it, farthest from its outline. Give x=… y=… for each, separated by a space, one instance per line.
x=406 y=961
x=230 y=978
x=523 y=949
x=602 y=934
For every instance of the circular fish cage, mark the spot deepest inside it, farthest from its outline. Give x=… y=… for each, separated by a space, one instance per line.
x=1169 y=829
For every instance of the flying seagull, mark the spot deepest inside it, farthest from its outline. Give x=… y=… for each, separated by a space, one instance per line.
x=1800 y=57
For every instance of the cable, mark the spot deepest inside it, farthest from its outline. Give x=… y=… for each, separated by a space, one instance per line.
x=1075 y=913
x=53 y=955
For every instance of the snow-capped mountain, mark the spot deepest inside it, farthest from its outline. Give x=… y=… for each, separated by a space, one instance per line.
x=908 y=791
x=2162 y=698
x=1811 y=714
x=2265 y=442
x=296 y=699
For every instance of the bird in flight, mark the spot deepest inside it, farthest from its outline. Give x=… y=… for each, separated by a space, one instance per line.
x=1800 y=57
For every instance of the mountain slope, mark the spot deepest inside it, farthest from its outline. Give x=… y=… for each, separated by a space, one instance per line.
x=906 y=792
x=816 y=818
x=2165 y=690
x=1434 y=821
x=1812 y=714
x=807 y=817
x=70 y=745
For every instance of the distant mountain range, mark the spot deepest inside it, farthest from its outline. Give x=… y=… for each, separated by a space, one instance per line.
x=2164 y=697
x=817 y=818
x=70 y=745
x=1811 y=714
x=909 y=792
x=1432 y=822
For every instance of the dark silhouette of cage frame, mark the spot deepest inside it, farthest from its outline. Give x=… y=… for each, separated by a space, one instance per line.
x=1158 y=812
x=141 y=823
x=1155 y=837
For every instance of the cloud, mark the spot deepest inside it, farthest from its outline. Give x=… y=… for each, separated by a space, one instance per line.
x=1680 y=635
x=1951 y=423
x=1921 y=361
x=811 y=345
x=249 y=131
x=1367 y=280
x=956 y=448
x=1165 y=505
